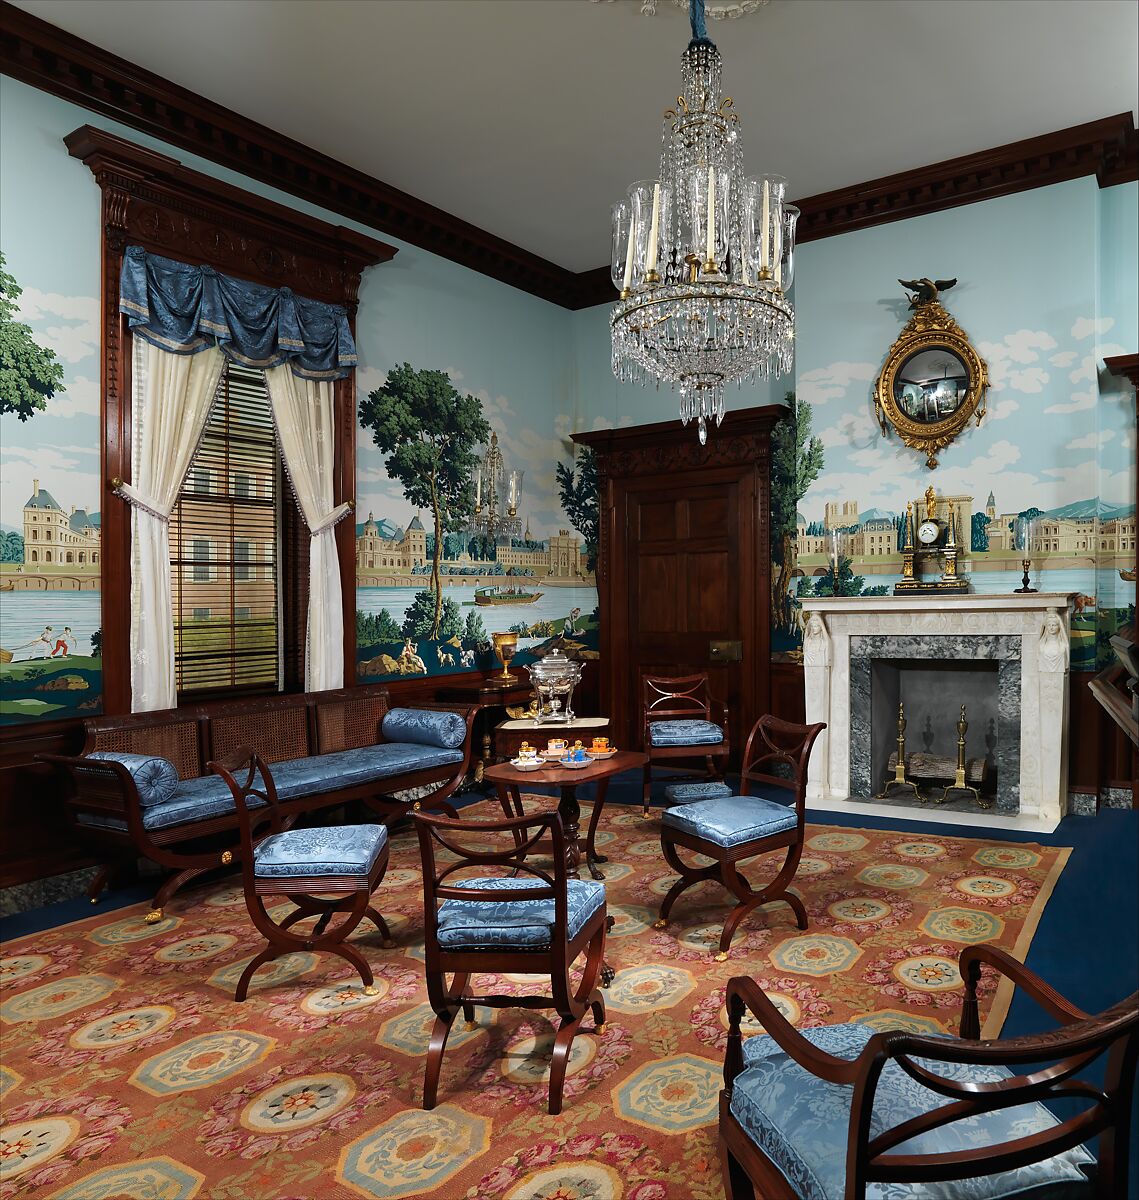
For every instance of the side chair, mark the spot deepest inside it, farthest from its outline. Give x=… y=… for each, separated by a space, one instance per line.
x=730 y=829
x=517 y=918
x=678 y=714
x=843 y=1113
x=322 y=871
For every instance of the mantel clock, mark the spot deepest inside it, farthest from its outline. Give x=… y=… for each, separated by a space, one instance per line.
x=929 y=538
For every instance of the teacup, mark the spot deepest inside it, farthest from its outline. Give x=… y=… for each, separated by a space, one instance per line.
x=600 y=745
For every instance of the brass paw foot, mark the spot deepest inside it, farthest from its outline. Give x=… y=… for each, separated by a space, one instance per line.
x=470 y=1025
x=371 y=990
x=646 y=816
x=660 y=923
x=722 y=956
x=599 y=1029
x=154 y=916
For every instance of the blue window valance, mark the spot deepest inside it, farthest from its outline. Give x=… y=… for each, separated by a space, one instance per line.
x=187 y=309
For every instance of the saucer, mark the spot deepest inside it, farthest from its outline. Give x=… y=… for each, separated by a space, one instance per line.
x=602 y=753
x=527 y=764
x=575 y=765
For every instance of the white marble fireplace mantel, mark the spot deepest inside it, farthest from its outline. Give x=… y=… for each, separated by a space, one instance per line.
x=950 y=627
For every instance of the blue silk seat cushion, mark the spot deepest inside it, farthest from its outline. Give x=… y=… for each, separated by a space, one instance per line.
x=346 y=850
x=731 y=820
x=156 y=779
x=349 y=768
x=425 y=727
x=685 y=733
x=195 y=800
x=800 y=1122
x=513 y=924
x=686 y=793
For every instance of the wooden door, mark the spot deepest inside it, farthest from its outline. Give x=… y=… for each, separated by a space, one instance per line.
x=684 y=569
x=690 y=563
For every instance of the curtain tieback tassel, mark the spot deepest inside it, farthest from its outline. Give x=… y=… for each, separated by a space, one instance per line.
x=330 y=519
x=140 y=500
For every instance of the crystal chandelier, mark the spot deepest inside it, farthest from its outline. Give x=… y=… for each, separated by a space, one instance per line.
x=703 y=256
x=498 y=493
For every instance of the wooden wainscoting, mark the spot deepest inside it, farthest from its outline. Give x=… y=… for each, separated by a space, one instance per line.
x=1100 y=756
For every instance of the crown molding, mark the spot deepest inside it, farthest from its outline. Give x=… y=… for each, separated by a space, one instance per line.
x=46 y=57
x=1107 y=149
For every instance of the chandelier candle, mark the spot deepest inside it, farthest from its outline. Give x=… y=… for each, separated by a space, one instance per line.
x=703 y=299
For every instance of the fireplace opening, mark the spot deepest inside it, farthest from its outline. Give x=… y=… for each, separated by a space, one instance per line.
x=929 y=695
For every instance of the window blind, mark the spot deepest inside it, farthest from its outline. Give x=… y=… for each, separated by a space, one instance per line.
x=225 y=538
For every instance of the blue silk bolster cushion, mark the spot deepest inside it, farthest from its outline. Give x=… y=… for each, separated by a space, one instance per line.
x=155 y=778
x=425 y=727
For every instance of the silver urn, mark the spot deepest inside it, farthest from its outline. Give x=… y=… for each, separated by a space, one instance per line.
x=554 y=678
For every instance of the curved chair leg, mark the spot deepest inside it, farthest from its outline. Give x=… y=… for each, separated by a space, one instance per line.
x=689 y=875
x=560 y=1060
x=646 y=787
x=358 y=961
x=438 y=1044
x=750 y=900
x=373 y=915
x=258 y=960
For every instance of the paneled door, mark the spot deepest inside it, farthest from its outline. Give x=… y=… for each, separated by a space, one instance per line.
x=684 y=564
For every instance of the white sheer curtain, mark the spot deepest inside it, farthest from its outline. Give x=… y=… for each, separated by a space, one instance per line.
x=303 y=413
x=172 y=403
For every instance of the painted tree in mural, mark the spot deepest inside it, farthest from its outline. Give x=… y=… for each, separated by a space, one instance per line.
x=796 y=460
x=980 y=533
x=577 y=490
x=11 y=547
x=29 y=374
x=429 y=432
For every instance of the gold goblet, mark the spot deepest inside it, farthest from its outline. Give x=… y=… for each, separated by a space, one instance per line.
x=505 y=646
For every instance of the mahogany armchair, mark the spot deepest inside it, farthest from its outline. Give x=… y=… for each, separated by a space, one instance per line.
x=498 y=922
x=683 y=720
x=768 y=815
x=322 y=871
x=842 y=1113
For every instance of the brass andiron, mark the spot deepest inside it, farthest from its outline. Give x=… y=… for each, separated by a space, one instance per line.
x=900 y=779
x=959 y=784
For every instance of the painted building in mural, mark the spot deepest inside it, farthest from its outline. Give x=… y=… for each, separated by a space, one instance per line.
x=53 y=536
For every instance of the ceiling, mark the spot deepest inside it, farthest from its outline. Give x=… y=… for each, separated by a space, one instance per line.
x=529 y=118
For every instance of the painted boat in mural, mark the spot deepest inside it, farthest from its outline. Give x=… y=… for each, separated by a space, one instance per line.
x=1127 y=576
x=495 y=594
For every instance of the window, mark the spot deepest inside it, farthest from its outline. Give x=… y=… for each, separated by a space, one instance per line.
x=229 y=516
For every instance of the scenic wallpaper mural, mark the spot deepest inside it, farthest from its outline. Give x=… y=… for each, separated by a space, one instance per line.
x=49 y=528
x=468 y=532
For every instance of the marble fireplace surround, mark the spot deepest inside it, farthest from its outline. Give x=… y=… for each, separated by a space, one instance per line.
x=1026 y=634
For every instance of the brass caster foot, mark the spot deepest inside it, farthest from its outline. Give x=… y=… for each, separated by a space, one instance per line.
x=469 y=1025
x=645 y=816
x=721 y=957
x=599 y=1029
x=154 y=916
x=371 y=990
x=661 y=923
x=389 y=943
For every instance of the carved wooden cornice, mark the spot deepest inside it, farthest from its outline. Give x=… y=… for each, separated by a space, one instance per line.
x=153 y=201
x=1107 y=149
x=44 y=56
x=669 y=446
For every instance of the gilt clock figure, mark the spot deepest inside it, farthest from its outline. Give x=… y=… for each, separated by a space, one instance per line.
x=930 y=539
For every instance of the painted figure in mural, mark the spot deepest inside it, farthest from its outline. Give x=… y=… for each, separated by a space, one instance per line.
x=410 y=661
x=63 y=643
x=1053 y=643
x=39 y=647
x=570 y=626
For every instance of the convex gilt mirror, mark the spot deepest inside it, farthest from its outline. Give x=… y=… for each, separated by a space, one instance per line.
x=933 y=381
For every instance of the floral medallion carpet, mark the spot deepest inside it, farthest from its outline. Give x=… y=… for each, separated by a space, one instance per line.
x=129 y=1072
